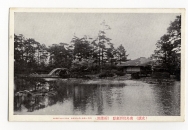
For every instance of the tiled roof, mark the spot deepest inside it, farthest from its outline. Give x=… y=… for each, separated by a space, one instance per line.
x=142 y=61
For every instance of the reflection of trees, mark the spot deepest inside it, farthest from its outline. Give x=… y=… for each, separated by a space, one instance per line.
x=82 y=95
x=109 y=95
x=27 y=83
x=33 y=103
x=35 y=99
x=94 y=95
x=119 y=94
x=167 y=97
x=113 y=94
x=100 y=100
x=80 y=98
x=64 y=92
x=85 y=95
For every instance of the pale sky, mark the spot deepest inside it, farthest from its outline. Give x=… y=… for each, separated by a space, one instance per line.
x=138 y=33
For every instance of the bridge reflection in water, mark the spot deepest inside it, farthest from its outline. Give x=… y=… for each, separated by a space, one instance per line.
x=128 y=98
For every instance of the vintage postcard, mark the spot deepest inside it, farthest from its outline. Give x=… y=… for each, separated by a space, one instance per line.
x=96 y=64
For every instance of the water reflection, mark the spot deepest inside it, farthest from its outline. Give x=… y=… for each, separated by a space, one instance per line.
x=169 y=98
x=126 y=98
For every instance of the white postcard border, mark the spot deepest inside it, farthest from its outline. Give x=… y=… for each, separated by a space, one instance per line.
x=13 y=117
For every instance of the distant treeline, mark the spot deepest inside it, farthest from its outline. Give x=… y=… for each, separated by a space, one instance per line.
x=93 y=55
x=82 y=54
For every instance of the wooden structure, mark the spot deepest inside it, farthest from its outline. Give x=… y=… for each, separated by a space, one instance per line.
x=140 y=65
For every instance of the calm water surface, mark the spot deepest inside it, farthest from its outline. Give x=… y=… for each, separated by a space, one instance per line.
x=127 y=97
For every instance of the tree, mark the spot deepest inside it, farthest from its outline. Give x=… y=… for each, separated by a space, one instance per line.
x=174 y=32
x=121 y=54
x=24 y=54
x=101 y=43
x=110 y=54
x=60 y=55
x=84 y=53
x=82 y=48
x=167 y=53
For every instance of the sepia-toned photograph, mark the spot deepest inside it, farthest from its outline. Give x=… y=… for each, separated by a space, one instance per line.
x=96 y=65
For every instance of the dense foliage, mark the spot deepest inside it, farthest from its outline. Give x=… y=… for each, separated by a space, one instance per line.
x=168 y=49
x=84 y=54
